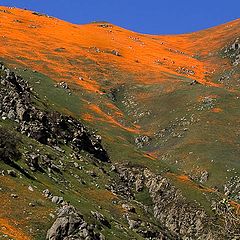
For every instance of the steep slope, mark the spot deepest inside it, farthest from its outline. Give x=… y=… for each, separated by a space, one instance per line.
x=165 y=106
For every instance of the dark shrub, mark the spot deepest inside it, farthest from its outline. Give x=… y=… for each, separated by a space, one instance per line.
x=8 y=146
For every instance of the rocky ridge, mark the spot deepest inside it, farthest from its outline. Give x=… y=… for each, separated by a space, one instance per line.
x=181 y=218
x=50 y=128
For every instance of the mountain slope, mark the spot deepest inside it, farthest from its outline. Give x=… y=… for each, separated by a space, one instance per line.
x=166 y=108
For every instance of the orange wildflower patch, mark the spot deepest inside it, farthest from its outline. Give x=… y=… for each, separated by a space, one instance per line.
x=87 y=117
x=216 y=110
x=149 y=156
x=184 y=178
x=68 y=52
x=110 y=119
x=101 y=195
x=6 y=227
x=187 y=180
x=236 y=206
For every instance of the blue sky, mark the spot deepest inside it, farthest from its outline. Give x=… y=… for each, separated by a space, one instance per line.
x=152 y=16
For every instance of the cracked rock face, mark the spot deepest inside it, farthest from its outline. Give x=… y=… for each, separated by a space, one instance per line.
x=171 y=209
x=182 y=219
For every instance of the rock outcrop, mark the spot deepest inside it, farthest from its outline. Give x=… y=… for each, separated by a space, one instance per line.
x=182 y=219
x=70 y=225
x=51 y=128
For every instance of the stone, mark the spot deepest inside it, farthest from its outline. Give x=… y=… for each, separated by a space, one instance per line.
x=141 y=141
x=128 y=208
x=133 y=224
x=14 y=195
x=101 y=219
x=59 y=229
x=70 y=224
x=11 y=115
x=46 y=193
x=194 y=82
x=21 y=111
x=33 y=161
x=76 y=165
x=116 y=53
x=57 y=200
x=12 y=173
x=113 y=168
x=204 y=177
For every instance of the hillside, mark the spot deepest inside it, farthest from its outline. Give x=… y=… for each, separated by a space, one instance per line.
x=110 y=134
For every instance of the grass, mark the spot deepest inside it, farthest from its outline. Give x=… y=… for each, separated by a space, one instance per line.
x=84 y=197
x=120 y=146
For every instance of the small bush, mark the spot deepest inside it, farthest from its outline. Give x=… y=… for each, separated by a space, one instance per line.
x=8 y=146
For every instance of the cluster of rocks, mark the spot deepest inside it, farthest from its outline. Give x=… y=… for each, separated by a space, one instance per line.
x=9 y=172
x=50 y=128
x=207 y=103
x=5 y=11
x=176 y=51
x=198 y=174
x=113 y=93
x=104 y=25
x=224 y=78
x=54 y=199
x=128 y=184
x=232 y=188
x=204 y=177
x=123 y=187
x=141 y=141
x=32 y=160
x=95 y=49
x=108 y=51
x=116 y=53
x=170 y=207
x=194 y=82
x=14 y=95
x=233 y=52
x=133 y=108
x=62 y=84
x=101 y=219
x=148 y=230
x=37 y=161
x=177 y=128
x=41 y=14
x=136 y=39
x=225 y=210
x=186 y=71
